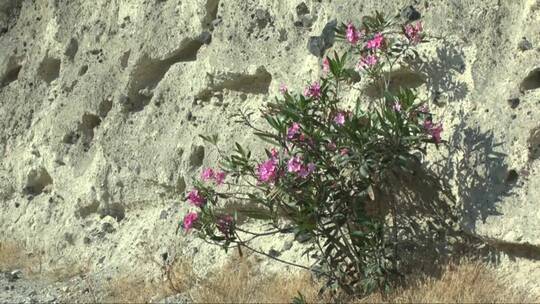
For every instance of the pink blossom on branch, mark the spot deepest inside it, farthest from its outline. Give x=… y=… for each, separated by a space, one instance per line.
x=283 y=88
x=367 y=62
x=313 y=91
x=293 y=131
x=207 y=174
x=331 y=146
x=434 y=130
x=353 y=35
x=189 y=220
x=225 y=224
x=294 y=164
x=220 y=177
x=326 y=65
x=376 y=43
x=268 y=171
x=195 y=198
x=414 y=33
x=305 y=171
x=339 y=119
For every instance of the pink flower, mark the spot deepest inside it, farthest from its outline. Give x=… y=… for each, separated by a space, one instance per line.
x=313 y=91
x=353 y=35
x=220 y=177
x=195 y=198
x=344 y=151
x=424 y=108
x=339 y=119
x=331 y=146
x=293 y=130
x=414 y=33
x=268 y=171
x=306 y=170
x=367 y=62
x=397 y=106
x=436 y=133
x=326 y=65
x=294 y=164
x=189 y=220
x=434 y=130
x=207 y=174
x=225 y=225
x=376 y=43
x=283 y=88
x=274 y=153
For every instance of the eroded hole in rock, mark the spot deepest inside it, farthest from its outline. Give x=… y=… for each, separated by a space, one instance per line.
x=533 y=144
x=11 y=75
x=105 y=107
x=211 y=11
x=89 y=209
x=115 y=210
x=258 y=83
x=511 y=177
x=148 y=72
x=83 y=70
x=71 y=138
x=72 y=49
x=197 y=156
x=9 y=14
x=86 y=128
x=400 y=79
x=124 y=60
x=49 y=69
x=36 y=181
x=531 y=82
x=180 y=185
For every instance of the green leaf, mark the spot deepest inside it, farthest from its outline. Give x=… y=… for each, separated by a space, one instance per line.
x=269 y=138
x=299 y=299
x=258 y=214
x=371 y=193
x=358 y=234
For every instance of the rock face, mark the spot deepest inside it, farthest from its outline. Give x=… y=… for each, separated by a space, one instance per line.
x=102 y=102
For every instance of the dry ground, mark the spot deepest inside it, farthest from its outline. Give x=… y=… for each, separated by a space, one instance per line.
x=240 y=281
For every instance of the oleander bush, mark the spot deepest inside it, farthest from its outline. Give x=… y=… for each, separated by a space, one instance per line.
x=341 y=178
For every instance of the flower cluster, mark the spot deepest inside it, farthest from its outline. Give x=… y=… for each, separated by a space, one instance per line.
x=340 y=118
x=413 y=33
x=268 y=171
x=313 y=90
x=296 y=165
x=189 y=220
x=373 y=48
x=195 y=198
x=225 y=225
x=353 y=35
x=209 y=174
x=434 y=130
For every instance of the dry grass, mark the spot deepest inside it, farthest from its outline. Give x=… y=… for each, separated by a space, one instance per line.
x=13 y=256
x=31 y=263
x=176 y=277
x=468 y=282
x=240 y=282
